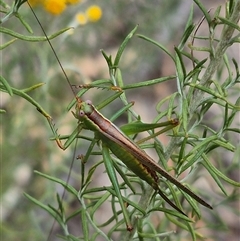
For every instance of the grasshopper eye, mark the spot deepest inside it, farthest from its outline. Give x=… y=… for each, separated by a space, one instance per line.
x=81 y=113
x=88 y=102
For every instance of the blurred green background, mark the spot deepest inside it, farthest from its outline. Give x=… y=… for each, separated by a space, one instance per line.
x=25 y=133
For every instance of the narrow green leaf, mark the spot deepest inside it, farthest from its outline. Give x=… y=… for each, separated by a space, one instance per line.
x=92 y=171
x=99 y=203
x=6 y=86
x=225 y=145
x=121 y=111
x=153 y=236
x=163 y=101
x=60 y=205
x=191 y=230
x=112 y=176
x=187 y=33
x=225 y=124
x=204 y=11
x=57 y=180
x=230 y=117
x=46 y=208
x=123 y=175
x=230 y=7
x=217 y=172
x=178 y=223
x=197 y=152
x=108 y=59
x=235 y=63
x=5 y=45
x=190 y=18
x=137 y=126
x=146 y=83
x=218 y=87
x=174 y=195
x=129 y=202
x=229 y=70
x=192 y=203
x=185 y=114
x=32 y=38
x=171 y=212
x=172 y=104
x=158 y=45
x=2 y=111
x=237 y=130
x=229 y=23
x=180 y=68
x=123 y=45
x=214 y=176
x=119 y=78
x=110 y=220
x=108 y=100
x=217 y=12
x=192 y=76
x=213 y=93
x=73 y=136
x=32 y=87
x=30 y=99
x=22 y=20
x=160 y=149
x=74 y=214
x=182 y=150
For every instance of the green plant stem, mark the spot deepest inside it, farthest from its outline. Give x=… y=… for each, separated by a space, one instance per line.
x=215 y=59
x=198 y=95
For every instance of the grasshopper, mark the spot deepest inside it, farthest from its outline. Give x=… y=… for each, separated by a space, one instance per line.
x=125 y=149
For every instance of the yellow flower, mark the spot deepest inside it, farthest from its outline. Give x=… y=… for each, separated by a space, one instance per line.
x=94 y=13
x=54 y=6
x=73 y=1
x=34 y=3
x=81 y=18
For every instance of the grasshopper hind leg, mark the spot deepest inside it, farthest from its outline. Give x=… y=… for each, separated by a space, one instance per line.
x=158 y=190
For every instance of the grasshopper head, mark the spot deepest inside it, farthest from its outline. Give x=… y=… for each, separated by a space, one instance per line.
x=82 y=109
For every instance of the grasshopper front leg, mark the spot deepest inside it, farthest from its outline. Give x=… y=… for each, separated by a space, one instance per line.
x=58 y=138
x=70 y=138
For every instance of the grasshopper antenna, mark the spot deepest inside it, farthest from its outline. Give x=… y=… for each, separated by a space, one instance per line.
x=78 y=100
x=64 y=191
x=54 y=52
